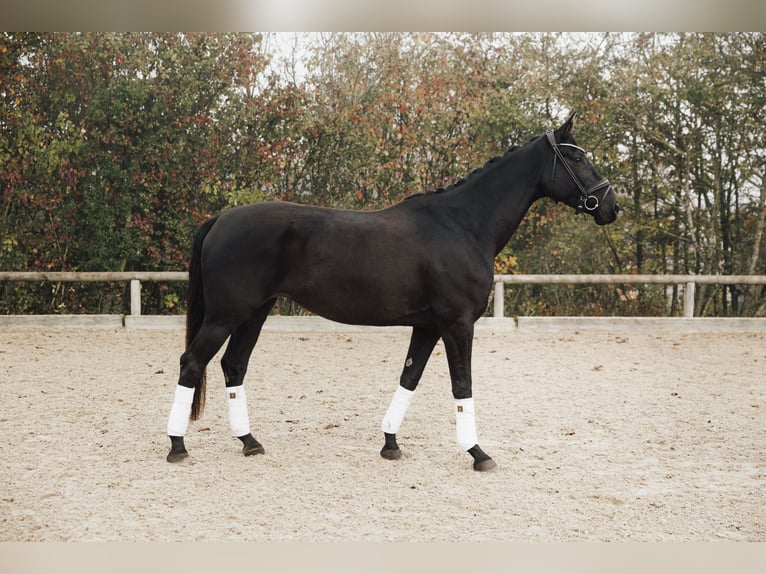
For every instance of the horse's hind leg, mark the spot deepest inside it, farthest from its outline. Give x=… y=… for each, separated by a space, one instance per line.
x=234 y=363
x=422 y=343
x=193 y=363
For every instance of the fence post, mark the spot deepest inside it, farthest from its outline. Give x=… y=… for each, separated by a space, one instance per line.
x=135 y=298
x=499 y=303
x=689 y=299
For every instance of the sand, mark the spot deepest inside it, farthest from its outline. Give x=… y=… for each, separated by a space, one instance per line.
x=598 y=437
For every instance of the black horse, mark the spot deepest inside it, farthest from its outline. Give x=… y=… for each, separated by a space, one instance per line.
x=426 y=262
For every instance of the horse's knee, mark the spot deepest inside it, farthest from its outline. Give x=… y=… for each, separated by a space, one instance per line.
x=410 y=376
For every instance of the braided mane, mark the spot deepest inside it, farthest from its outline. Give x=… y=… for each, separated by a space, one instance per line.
x=462 y=181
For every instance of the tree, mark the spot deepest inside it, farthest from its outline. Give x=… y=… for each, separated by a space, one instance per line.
x=115 y=147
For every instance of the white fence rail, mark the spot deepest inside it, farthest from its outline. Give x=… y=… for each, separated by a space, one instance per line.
x=688 y=281
x=135 y=278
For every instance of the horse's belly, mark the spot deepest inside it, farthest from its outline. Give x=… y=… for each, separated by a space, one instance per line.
x=359 y=299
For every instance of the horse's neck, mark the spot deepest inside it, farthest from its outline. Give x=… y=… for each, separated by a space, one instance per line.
x=497 y=201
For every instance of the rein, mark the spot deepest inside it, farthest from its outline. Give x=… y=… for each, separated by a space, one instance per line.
x=588 y=201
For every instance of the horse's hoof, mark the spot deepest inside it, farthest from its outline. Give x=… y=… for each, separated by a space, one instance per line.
x=485 y=465
x=250 y=446
x=177 y=456
x=391 y=454
x=252 y=450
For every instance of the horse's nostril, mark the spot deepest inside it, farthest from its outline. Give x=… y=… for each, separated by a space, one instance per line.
x=617 y=208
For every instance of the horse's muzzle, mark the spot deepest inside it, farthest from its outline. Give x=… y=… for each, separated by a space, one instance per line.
x=607 y=210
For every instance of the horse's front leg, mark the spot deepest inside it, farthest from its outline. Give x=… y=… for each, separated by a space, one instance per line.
x=458 y=343
x=422 y=343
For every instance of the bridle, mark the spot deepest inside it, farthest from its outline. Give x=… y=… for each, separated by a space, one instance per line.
x=588 y=201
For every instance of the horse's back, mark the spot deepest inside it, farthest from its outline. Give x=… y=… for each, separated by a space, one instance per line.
x=361 y=267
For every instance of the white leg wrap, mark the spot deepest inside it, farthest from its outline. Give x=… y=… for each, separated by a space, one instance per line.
x=396 y=410
x=238 y=417
x=465 y=423
x=178 y=421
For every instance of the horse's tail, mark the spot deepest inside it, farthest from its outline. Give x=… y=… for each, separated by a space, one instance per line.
x=195 y=309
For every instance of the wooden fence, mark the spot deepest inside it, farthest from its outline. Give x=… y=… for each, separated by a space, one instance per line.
x=688 y=281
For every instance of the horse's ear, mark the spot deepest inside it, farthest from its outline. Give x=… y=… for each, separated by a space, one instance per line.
x=565 y=131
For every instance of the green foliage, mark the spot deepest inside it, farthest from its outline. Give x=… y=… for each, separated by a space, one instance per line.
x=113 y=147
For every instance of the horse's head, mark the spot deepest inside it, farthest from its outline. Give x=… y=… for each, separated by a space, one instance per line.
x=574 y=181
